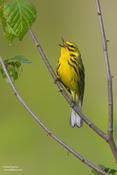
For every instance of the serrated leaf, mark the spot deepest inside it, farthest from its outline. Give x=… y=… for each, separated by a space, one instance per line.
x=20 y=58
x=17 y=18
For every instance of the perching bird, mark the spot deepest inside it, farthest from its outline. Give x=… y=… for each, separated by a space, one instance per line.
x=70 y=70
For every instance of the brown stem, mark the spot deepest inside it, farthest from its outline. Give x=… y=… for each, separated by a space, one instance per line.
x=77 y=155
x=109 y=78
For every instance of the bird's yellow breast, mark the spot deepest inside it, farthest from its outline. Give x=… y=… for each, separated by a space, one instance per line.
x=67 y=73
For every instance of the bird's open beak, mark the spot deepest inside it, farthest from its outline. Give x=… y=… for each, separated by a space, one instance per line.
x=63 y=41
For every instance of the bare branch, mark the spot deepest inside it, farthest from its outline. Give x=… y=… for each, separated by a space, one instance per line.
x=77 y=155
x=50 y=69
x=109 y=77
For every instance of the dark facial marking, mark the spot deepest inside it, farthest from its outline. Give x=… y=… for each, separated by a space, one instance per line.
x=72 y=46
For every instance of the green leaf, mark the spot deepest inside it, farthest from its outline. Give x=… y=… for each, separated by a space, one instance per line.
x=20 y=58
x=17 y=18
x=14 y=66
x=106 y=169
x=112 y=171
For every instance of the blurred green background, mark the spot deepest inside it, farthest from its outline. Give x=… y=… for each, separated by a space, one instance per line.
x=23 y=142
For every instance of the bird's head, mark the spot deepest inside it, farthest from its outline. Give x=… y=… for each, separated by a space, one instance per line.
x=70 y=46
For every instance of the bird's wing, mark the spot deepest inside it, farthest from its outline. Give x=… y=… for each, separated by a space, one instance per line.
x=81 y=81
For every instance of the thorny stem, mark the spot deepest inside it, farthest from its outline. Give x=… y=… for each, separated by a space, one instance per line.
x=77 y=155
x=63 y=92
x=110 y=139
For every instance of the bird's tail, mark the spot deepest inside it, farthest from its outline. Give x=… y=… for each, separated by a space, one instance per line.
x=75 y=119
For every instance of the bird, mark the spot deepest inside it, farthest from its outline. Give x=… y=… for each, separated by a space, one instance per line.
x=71 y=73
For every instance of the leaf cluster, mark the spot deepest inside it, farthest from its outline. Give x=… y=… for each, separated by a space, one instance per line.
x=17 y=18
x=14 y=66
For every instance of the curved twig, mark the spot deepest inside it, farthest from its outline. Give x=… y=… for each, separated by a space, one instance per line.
x=110 y=139
x=50 y=133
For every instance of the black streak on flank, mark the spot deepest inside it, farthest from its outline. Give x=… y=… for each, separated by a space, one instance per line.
x=73 y=61
x=73 y=67
x=58 y=66
x=72 y=55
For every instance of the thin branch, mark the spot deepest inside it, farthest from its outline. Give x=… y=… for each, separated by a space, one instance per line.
x=77 y=155
x=63 y=92
x=109 y=77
